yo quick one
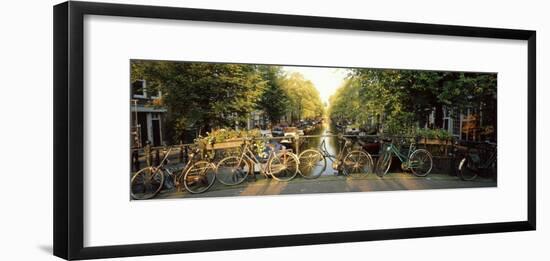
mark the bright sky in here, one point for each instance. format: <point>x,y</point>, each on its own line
<point>326,80</point>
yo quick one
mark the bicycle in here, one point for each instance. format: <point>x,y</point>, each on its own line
<point>418,161</point>
<point>471,165</point>
<point>281,165</point>
<point>149,181</point>
<point>313,162</point>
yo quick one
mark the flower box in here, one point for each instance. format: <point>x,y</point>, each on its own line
<point>430,141</point>
<point>225,145</point>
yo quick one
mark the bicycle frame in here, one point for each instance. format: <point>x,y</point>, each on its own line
<point>323,149</point>
<point>478,161</point>
<point>492,159</point>
<point>161,164</point>
<point>485,162</point>
<point>397,152</point>
<point>188,164</point>
<point>151,175</point>
<point>251,157</point>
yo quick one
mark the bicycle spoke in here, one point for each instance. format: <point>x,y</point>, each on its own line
<point>146,183</point>
<point>420,163</point>
<point>283,167</point>
<point>312,164</point>
<point>356,163</point>
<point>199,178</point>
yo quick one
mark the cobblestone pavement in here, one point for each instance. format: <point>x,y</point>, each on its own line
<point>335,184</point>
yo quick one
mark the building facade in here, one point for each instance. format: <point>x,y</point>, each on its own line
<point>147,119</point>
<point>467,124</point>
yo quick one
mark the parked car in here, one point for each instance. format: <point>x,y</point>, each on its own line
<point>290,131</point>
<point>277,132</point>
<point>266,133</point>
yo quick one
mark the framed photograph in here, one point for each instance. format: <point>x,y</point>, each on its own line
<point>182,130</point>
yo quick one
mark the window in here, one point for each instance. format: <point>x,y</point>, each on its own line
<point>456,123</point>
<point>470,124</point>
<point>138,89</point>
<point>448,120</point>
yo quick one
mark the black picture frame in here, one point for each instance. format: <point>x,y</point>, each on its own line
<point>69,119</point>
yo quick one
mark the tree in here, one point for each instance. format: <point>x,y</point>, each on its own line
<point>202,95</point>
<point>304,99</point>
<point>399,100</point>
<point>274,100</point>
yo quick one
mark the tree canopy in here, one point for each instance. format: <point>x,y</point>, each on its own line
<point>397,101</point>
<point>274,100</point>
<point>206,96</point>
<point>202,95</point>
<point>304,99</point>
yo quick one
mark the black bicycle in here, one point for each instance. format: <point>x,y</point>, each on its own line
<point>480,160</point>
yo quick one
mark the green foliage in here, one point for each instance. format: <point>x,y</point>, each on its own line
<point>202,95</point>
<point>223,135</point>
<point>439,134</point>
<point>304,99</point>
<point>210,96</point>
<point>228,135</point>
<point>274,100</point>
<point>397,102</point>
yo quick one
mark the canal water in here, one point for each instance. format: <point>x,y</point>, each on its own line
<point>332,144</point>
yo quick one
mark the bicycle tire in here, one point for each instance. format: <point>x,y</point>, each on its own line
<point>427,156</point>
<point>357,162</point>
<point>312,164</point>
<point>494,172</point>
<point>230,172</point>
<point>383,164</point>
<point>286,167</point>
<point>466,170</point>
<point>157,176</point>
<point>196,175</point>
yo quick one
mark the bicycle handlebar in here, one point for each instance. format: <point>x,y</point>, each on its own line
<point>494,144</point>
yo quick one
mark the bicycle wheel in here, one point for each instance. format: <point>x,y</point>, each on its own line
<point>493,171</point>
<point>420,162</point>
<point>283,166</point>
<point>312,164</point>
<point>199,177</point>
<point>357,163</point>
<point>383,164</point>
<point>146,183</point>
<point>230,171</point>
<point>467,169</point>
